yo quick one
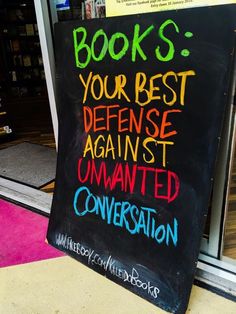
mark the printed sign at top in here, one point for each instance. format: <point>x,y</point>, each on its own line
<point>126,7</point>
<point>62,5</point>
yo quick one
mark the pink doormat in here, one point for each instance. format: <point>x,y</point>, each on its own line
<point>22,236</point>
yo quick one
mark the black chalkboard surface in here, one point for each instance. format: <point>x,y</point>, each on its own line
<point>141,100</point>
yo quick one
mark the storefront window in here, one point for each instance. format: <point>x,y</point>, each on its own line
<point>229,235</point>
<point>80,10</point>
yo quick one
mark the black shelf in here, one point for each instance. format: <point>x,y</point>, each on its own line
<point>27,37</point>
<point>28,82</point>
<point>25,67</point>
<point>5,125</point>
<point>19,40</point>
<point>16,5</point>
<point>6,23</point>
<point>35,52</point>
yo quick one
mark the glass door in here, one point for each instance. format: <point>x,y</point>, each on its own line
<point>228,248</point>
<point>211,242</point>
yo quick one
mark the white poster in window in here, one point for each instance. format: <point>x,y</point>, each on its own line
<point>62,5</point>
<point>126,7</point>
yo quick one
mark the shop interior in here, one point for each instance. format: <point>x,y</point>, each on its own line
<point>25,111</point>
<point>229,235</point>
<point>25,114</point>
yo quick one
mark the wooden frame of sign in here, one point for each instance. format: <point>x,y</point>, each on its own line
<point>141,100</point>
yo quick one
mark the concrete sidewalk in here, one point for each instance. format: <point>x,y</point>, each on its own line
<point>64,286</point>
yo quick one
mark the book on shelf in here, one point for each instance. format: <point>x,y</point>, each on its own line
<point>17,60</point>
<point>29,29</point>
<point>27,60</point>
<point>5,130</point>
<point>93,9</point>
<point>22,30</point>
<point>14,77</point>
<point>26,75</point>
<point>40,60</point>
<point>36,29</point>
<point>89,9</point>
<point>15,45</point>
<point>100,8</point>
<point>36,73</point>
<point>42,74</point>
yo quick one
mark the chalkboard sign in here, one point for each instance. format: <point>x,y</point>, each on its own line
<point>141,100</point>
